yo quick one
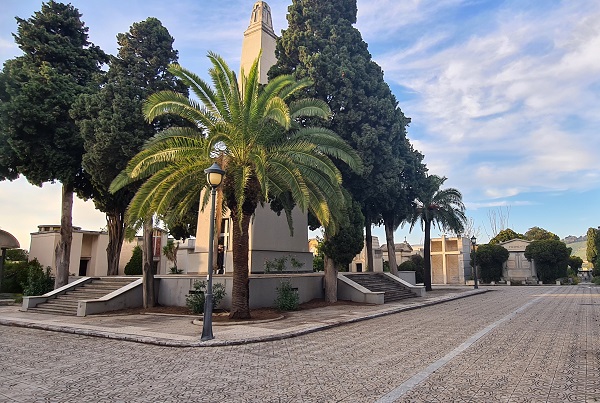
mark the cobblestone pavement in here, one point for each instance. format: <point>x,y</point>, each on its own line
<point>511,344</point>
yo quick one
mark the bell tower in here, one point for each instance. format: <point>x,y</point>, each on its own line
<point>259,36</point>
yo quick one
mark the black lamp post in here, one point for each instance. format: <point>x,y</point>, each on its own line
<point>474,243</point>
<point>214,177</point>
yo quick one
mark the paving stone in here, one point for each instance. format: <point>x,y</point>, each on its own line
<point>546,352</point>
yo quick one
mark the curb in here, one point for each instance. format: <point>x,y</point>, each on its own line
<point>220,343</point>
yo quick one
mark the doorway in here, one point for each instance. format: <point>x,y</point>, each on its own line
<point>83,265</point>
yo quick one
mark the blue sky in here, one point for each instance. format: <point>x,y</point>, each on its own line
<point>504,97</point>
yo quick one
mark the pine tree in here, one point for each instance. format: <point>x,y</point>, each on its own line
<point>38,138</point>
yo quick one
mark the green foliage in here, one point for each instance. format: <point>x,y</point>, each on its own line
<point>551,258</point>
<point>135,266</point>
<point>416,264</point>
<point>170,251</point>
<point>596,280</point>
<point>111,120</point>
<point>195,300</point>
<point>14,276</point>
<point>17,255</point>
<point>490,258</point>
<point>505,235</point>
<point>39,281</point>
<point>575,263</point>
<point>572,276</point>
<point>278,265</point>
<point>319,258</point>
<point>593,246</point>
<point>540,234</point>
<point>349,240</point>
<point>38,138</point>
<point>287,297</point>
<point>175,270</point>
<point>321,43</point>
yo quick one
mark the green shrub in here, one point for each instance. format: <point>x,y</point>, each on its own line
<point>195,300</point>
<point>38,281</point>
<point>175,270</point>
<point>278,264</point>
<point>134,266</point>
<point>596,280</point>
<point>287,297</point>
<point>416,264</point>
<point>14,276</point>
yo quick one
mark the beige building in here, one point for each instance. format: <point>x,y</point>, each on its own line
<point>403,252</point>
<point>517,267</point>
<point>450,260</point>
<point>360,264</point>
<point>88,250</point>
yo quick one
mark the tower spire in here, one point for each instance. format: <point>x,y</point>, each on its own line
<point>259,36</point>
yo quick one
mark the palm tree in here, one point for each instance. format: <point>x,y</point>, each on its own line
<point>442,208</point>
<point>266,152</point>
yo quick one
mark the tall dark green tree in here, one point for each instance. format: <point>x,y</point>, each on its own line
<point>395,203</point>
<point>593,245</point>
<point>490,259</point>
<point>321,43</point>
<point>38,138</point>
<point>551,259</point>
<point>112,124</point>
<point>340,248</point>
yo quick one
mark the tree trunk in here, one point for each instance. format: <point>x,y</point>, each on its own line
<point>369,242</point>
<point>240,293</point>
<point>427,257</point>
<point>116,233</point>
<point>147,263</point>
<point>62,253</point>
<point>389,238</point>
<point>330,279</point>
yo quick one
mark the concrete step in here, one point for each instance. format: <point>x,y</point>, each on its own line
<point>392,290</point>
<point>67,303</point>
<point>53,311</point>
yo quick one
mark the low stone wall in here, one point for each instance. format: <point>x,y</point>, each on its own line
<point>173,289</point>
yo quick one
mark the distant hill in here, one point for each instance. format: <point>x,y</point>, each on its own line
<point>579,249</point>
<point>578,244</point>
<point>574,239</point>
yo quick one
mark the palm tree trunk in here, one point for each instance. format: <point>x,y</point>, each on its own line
<point>330,278</point>
<point>427,253</point>
<point>240,294</point>
<point>62,253</point>
<point>147,263</point>
<point>116,233</point>
<point>391,248</point>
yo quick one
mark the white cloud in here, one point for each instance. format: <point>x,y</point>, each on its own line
<point>498,102</point>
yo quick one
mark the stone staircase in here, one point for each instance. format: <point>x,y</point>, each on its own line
<point>66,304</point>
<point>377,282</point>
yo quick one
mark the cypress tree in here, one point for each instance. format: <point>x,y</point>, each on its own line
<point>38,138</point>
<point>112,124</point>
<point>322,44</point>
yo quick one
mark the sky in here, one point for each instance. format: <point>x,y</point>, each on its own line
<point>503,96</point>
